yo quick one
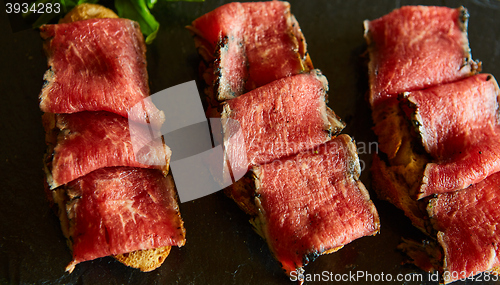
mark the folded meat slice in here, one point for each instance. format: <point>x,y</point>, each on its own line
<point>91,140</point>
<point>118,210</point>
<point>96,65</point>
<point>415,47</point>
<point>313,203</point>
<point>459,127</point>
<point>471,166</point>
<point>448,113</point>
<point>278,119</point>
<point>254,43</point>
<point>467,222</point>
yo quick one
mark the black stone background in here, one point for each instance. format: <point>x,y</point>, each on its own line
<point>221,246</point>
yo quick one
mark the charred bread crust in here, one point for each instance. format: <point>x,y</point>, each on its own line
<point>388,127</point>
<point>336,125</point>
<point>243,193</point>
<point>397,174</point>
<point>305,59</point>
<point>390,184</point>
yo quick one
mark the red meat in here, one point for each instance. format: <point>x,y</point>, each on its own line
<point>459,127</point>
<point>415,47</point>
<point>279,119</point>
<point>257,43</point>
<point>313,202</point>
<point>96,65</point>
<point>116,210</point>
<point>468,228</point>
<point>92,140</point>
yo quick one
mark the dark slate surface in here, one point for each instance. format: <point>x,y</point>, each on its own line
<point>221,247</point>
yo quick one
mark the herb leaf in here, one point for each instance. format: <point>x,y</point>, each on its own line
<point>138,10</point>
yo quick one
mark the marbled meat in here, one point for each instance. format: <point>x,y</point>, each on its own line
<point>415,47</point>
<point>254,43</point>
<point>313,203</point>
<point>96,65</point>
<point>116,210</point>
<point>91,140</point>
<point>279,119</point>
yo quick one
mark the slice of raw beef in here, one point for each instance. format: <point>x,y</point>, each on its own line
<point>313,203</point>
<point>253,43</point>
<point>415,47</point>
<point>91,140</point>
<point>459,127</point>
<point>118,210</point>
<point>278,119</point>
<point>467,222</point>
<point>96,65</point>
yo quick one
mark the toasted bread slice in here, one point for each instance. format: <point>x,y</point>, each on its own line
<point>397,173</point>
<point>87,11</point>
<point>144,260</point>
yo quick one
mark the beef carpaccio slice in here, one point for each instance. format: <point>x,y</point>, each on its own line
<point>116,210</point>
<point>91,140</point>
<point>467,222</point>
<point>96,65</point>
<point>313,203</point>
<point>459,126</point>
<point>469,167</point>
<point>448,113</point>
<point>415,47</point>
<point>278,119</point>
<point>254,43</point>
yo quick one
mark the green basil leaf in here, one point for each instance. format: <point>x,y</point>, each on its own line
<point>138,11</point>
<point>67,5</point>
<point>151,3</point>
<point>149,38</point>
<point>44,19</point>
